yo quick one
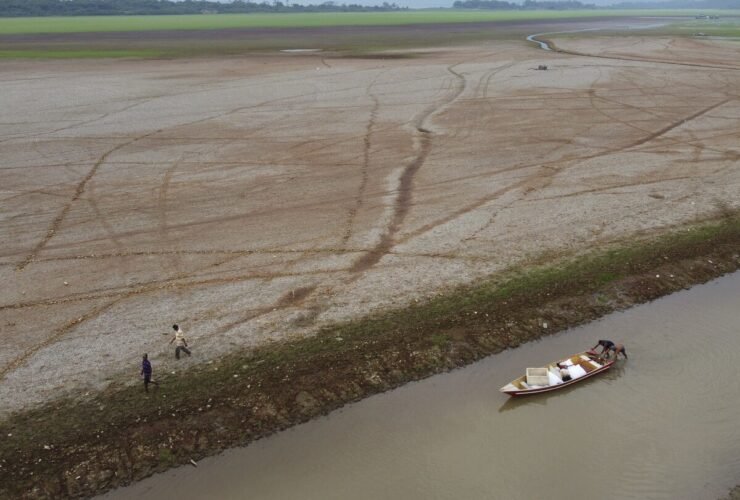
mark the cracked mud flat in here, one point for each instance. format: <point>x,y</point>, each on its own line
<point>254,199</point>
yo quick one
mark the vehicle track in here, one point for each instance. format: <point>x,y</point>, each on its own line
<point>55,336</point>
<point>556,167</point>
<point>675,124</point>
<point>79,190</point>
<point>292,298</point>
<point>170,284</point>
<point>402,203</point>
<point>364,169</point>
<point>211,271</point>
<point>557,49</point>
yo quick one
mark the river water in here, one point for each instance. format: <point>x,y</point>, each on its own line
<point>663,425</point>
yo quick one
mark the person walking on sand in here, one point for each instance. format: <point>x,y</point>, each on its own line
<point>146,372</point>
<point>180,343</point>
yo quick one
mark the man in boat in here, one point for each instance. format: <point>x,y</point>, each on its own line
<point>606,346</point>
<point>618,349</point>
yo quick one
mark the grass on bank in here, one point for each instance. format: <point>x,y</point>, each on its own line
<point>89,24</point>
<point>80,54</point>
<point>724,29</point>
<point>427,325</point>
<point>31,42</point>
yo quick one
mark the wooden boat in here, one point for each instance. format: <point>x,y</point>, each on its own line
<point>551,377</point>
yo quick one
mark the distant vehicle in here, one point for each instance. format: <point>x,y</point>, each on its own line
<point>558,374</point>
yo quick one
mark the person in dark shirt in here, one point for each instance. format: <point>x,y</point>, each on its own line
<point>606,346</point>
<point>146,371</point>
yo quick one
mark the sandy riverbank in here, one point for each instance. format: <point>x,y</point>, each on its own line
<point>82,447</point>
<point>258,199</point>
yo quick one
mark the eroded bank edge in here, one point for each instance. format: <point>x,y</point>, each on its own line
<point>77,448</point>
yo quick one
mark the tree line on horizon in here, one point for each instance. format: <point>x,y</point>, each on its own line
<point>527,5</point>
<point>575,4</point>
<point>680,4</point>
<point>40,8</point>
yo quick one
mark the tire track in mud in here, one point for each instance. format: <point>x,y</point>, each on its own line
<point>593,96</point>
<point>618,186</point>
<point>557,166</point>
<point>162,204</point>
<point>179,282</point>
<point>12,195</point>
<point>162,211</point>
<point>292,298</point>
<point>303,253</point>
<point>555,48</point>
<point>676,124</point>
<point>364,170</point>
<point>289,299</point>
<point>482,90</point>
<point>404,192</point>
<point>170,284</point>
<point>46,165</point>
<point>231,254</point>
<point>724,153</point>
<point>469,208</point>
<point>107,227</point>
<point>103,116</point>
<point>79,190</point>
<point>238,253</point>
<point>58,333</point>
<point>479,93</point>
<point>374,255</point>
<point>69,326</point>
<point>81,187</point>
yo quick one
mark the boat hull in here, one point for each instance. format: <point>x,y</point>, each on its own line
<point>514,391</point>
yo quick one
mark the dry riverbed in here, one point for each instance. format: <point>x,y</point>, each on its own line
<point>258,200</point>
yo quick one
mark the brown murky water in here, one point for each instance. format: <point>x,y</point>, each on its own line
<point>663,425</point>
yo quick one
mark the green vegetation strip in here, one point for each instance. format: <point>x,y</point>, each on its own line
<point>87,24</point>
<point>79,54</point>
<point>708,28</point>
<point>84,446</point>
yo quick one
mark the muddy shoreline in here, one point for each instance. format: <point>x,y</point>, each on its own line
<point>78,448</point>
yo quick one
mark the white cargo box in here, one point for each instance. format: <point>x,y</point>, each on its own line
<point>537,376</point>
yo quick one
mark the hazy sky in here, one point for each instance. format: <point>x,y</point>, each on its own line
<point>414,4</point>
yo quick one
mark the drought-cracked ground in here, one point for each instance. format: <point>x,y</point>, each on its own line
<point>256,198</point>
